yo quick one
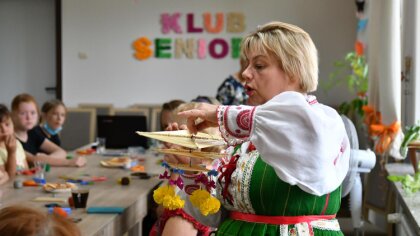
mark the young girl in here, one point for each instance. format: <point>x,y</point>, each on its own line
<point>53,115</point>
<point>37,147</point>
<point>169,218</point>
<point>24,220</point>
<point>167,115</point>
<point>12,155</point>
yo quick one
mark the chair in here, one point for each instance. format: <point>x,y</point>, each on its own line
<point>79,128</point>
<point>133,111</point>
<point>155,118</point>
<point>101,108</point>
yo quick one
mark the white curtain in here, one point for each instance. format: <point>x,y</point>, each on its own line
<point>384,60</point>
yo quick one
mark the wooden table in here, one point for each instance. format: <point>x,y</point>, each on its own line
<point>108,193</point>
<point>413,148</point>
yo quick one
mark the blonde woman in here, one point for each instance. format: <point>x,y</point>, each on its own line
<point>289,154</point>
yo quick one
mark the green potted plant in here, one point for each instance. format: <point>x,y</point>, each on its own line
<point>352,70</point>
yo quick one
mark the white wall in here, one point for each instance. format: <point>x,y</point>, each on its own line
<point>410,89</point>
<point>103,31</point>
<point>27,48</point>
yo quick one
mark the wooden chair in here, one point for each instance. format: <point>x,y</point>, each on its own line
<point>79,128</point>
<point>101,108</point>
<point>413,148</point>
<point>134,111</point>
<point>155,118</point>
<point>151,118</point>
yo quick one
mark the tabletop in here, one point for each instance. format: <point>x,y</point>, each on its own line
<point>132,197</point>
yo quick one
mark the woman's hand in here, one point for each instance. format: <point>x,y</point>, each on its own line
<point>204,116</point>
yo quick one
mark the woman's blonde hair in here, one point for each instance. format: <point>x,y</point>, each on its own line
<point>291,46</point>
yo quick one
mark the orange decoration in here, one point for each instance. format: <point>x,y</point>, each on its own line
<point>87,151</point>
<point>358,47</point>
<point>30,183</point>
<point>371,116</point>
<point>141,46</point>
<point>385,134</point>
<point>59,211</point>
<point>137,168</point>
<point>219,23</point>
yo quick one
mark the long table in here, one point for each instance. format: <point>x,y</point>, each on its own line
<point>133,198</point>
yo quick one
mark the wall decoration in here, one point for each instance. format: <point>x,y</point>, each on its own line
<point>213,23</point>
<point>208,25</point>
<point>236,46</point>
<point>191,28</point>
<point>235,22</point>
<point>201,53</point>
<point>141,46</point>
<point>185,48</point>
<point>170,22</point>
<point>162,45</point>
<point>223,45</point>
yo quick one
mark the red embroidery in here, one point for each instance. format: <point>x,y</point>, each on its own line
<point>313,102</point>
<point>243,119</point>
<point>251,147</point>
<point>339,154</point>
<point>326,204</point>
<point>225,123</point>
<point>226,169</point>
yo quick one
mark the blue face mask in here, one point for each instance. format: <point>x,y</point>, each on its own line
<point>50,130</point>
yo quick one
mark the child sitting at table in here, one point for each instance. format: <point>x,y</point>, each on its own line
<point>167,115</point>
<point>37,147</point>
<point>53,115</point>
<point>12,155</point>
<point>21,220</point>
<point>168,217</point>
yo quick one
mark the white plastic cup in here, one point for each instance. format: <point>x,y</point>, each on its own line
<point>100,148</point>
<point>40,169</point>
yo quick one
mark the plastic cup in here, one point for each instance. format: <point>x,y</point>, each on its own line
<point>100,148</point>
<point>40,169</point>
<point>80,197</point>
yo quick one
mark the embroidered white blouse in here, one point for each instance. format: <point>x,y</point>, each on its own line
<point>304,141</point>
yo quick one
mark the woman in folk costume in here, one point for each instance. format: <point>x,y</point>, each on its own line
<point>289,154</point>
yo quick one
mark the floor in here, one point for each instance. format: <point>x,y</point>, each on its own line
<point>344,219</point>
<point>368,229</point>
